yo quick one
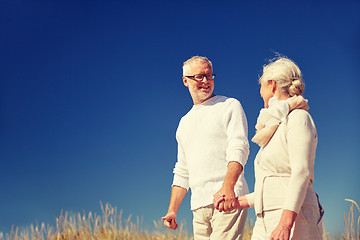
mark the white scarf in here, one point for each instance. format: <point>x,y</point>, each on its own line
<point>270,118</point>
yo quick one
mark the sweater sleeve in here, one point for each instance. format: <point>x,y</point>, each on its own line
<point>251,199</point>
<point>181,174</point>
<point>302,141</point>
<point>237,133</point>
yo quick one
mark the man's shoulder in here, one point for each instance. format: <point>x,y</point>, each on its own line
<point>218,102</point>
<point>230,102</point>
<point>186,116</point>
<point>227,100</point>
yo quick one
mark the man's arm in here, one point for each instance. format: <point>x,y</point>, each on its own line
<point>235,123</point>
<point>237,151</point>
<point>227,189</point>
<point>177,195</point>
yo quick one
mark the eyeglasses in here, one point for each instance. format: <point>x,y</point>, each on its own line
<point>200,77</point>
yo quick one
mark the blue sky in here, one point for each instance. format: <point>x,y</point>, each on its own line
<point>91,95</point>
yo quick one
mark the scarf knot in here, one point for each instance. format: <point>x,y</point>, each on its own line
<point>269,118</point>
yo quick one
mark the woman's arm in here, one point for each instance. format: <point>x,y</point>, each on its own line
<point>301,144</point>
<point>302,141</point>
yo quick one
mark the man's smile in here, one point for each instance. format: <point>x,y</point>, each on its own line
<point>204,87</point>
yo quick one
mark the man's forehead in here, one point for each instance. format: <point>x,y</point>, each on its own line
<point>203,64</point>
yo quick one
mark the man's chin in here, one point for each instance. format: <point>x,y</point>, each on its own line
<point>205,97</point>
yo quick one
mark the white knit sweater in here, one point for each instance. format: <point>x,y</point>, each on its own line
<point>284,169</point>
<point>209,136</point>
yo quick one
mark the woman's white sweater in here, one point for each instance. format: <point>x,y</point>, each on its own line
<point>284,169</point>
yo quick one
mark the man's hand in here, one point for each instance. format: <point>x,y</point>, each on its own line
<point>170,220</point>
<point>218,198</point>
<point>234,170</point>
<point>177,195</point>
<point>229,201</point>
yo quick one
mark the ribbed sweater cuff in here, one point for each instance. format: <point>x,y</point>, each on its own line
<point>237,157</point>
<point>181,182</point>
<point>250,197</point>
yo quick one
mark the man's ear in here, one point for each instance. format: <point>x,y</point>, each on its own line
<point>185,81</point>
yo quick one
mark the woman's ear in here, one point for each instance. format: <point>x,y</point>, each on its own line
<point>272,84</point>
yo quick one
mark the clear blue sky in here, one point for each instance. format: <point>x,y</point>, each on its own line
<point>91,95</point>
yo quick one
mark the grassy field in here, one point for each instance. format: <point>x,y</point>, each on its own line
<point>111,225</point>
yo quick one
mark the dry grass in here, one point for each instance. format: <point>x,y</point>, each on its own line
<point>351,231</point>
<point>110,225</point>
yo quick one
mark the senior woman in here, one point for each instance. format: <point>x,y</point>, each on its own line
<point>285,203</point>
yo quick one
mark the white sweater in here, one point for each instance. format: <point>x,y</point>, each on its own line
<point>284,169</point>
<point>209,136</point>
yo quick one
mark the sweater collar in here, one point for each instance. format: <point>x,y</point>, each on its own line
<point>208,102</point>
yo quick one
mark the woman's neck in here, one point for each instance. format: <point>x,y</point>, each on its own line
<point>281,95</point>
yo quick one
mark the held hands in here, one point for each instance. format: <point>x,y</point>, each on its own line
<point>240,202</point>
<point>170,220</point>
<point>225,200</point>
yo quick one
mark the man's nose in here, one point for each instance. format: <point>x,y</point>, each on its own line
<point>204,79</point>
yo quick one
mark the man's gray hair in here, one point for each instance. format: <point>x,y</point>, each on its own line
<point>286,74</point>
<point>186,67</point>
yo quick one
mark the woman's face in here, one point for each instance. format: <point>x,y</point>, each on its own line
<point>266,91</point>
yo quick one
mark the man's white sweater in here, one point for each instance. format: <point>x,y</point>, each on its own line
<point>209,136</point>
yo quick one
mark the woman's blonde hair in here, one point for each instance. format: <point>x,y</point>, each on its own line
<point>286,74</point>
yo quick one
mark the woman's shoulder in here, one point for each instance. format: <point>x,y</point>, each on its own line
<point>300,116</point>
<point>299,113</point>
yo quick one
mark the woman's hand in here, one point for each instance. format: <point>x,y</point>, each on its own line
<point>283,229</point>
<point>281,232</point>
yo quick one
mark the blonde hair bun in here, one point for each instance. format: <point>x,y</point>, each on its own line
<point>296,87</point>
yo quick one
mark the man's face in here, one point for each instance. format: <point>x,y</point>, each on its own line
<point>200,91</point>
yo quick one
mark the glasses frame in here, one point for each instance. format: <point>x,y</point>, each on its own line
<point>203,75</point>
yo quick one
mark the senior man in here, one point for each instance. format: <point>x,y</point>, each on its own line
<point>212,151</point>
